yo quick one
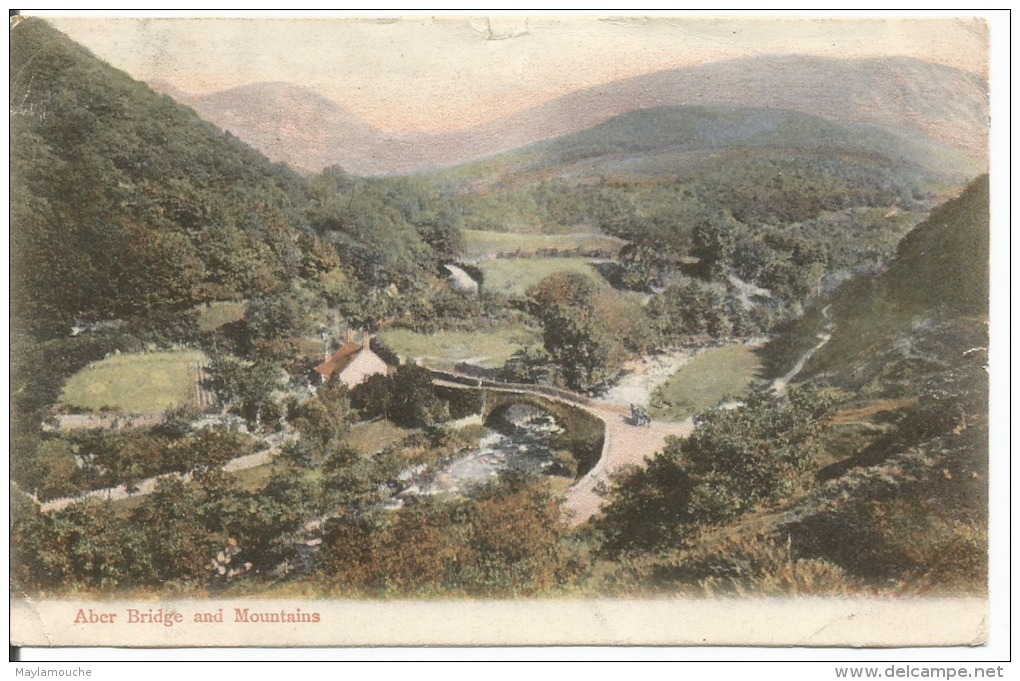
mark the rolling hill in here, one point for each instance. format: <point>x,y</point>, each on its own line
<point>663,169</point>
<point>288,123</point>
<point>915,98</point>
<point>678,140</point>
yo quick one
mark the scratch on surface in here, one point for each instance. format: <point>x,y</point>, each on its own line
<point>503,30</point>
<point>625,21</point>
<point>814,635</point>
<point>42,621</point>
<point>981,637</point>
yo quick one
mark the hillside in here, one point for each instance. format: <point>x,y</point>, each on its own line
<point>929,303</point>
<point>124,202</point>
<point>870,475</point>
<point>915,98</point>
<point>912,498</point>
<point>683,139</point>
<point>290,124</point>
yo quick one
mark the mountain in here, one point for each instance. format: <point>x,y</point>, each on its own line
<point>682,139</point>
<point>290,124</point>
<point>916,98</point>
<point>124,202</point>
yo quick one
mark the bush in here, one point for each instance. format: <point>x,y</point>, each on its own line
<point>504,540</point>
<point>406,397</point>
<point>734,461</point>
<point>754,566</point>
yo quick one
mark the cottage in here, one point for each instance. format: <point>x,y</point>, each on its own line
<point>352,363</point>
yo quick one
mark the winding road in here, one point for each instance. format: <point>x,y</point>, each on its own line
<point>148,486</point>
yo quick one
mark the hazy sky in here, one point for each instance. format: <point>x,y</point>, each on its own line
<point>440,73</point>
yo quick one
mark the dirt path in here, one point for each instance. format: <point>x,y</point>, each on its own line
<point>644,375</point>
<point>625,445</point>
<point>779,385</point>
<point>148,486</point>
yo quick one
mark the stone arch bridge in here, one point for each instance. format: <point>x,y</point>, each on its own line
<point>623,444</point>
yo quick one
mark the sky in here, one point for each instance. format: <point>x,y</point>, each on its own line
<point>429,74</point>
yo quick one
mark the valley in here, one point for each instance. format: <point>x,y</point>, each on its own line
<point>680,344</point>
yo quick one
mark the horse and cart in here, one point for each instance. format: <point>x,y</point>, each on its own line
<point>639,417</point>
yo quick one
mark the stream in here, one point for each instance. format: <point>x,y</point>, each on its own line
<point>521,437</point>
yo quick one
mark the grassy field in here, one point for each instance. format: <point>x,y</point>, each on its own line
<point>513,276</point>
<point>489,348</point>
<point>216,314</point>
<point>480,245</point>
<point>709,378</point>
<point>145,383</point>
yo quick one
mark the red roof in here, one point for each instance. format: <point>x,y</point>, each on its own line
<point>339,361</point>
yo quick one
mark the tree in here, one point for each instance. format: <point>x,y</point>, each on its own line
<point>715,241</point>
<point>516,527</point>
<point>51,471</point>
<point>413,402</point>
<point>573,331</point>
<point>35,558</point>
<point>324,420</point>
<point>277,325</point>
<point>246,387</point>
<point>269,519</point>
<point>179,548</point>
<point>527,366</point>
<point>690,307</point>
<point>406,397</point>
<point>734,461</point>
<point>350,479</point>
<point>92,548</point>
<point>210,447</point>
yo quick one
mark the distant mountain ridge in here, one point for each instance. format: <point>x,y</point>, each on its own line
<point>288,123</point>
<point>297,125</point>
<point>646,140</point>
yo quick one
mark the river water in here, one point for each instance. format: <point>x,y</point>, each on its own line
<point>520,438</point>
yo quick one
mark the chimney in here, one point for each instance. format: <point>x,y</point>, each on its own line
<point>350,335</point>
<point>366,339</point>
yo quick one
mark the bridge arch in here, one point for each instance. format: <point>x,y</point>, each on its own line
<point>583,434</point>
